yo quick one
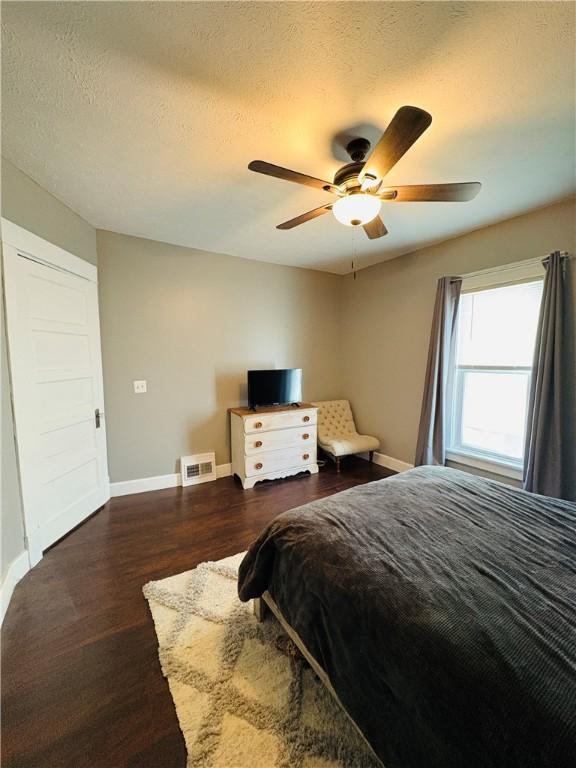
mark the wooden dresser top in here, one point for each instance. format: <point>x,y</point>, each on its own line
<point>271,409</point>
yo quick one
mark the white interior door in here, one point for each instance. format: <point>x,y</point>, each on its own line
<point>56,370</point>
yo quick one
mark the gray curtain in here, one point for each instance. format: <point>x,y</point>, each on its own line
<point>431,446</point>
<point>550,463</point>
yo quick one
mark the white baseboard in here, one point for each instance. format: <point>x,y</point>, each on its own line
<point>18,568</point>
<point>388,461</point>
<point>144,484</point>
<point>223,470</point>
<point>158,482</point>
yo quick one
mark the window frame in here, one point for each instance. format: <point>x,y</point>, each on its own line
<point>457,452</point>
<point>457,446</point>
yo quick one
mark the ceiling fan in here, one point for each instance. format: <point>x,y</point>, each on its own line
<point>359,184</point>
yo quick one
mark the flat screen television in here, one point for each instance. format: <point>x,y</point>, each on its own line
<point>277,387</point>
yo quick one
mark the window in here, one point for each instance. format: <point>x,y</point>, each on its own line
<point>493,362</point>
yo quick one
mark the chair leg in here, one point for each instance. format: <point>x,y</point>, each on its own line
<point>371,456</point>
<point>337,463</point>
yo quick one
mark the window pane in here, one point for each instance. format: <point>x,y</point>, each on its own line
<point>494,411</point>
<point>498,326</point>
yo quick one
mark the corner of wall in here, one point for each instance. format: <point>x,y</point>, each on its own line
<point>32,207</point>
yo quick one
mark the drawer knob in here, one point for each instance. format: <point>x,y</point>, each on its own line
<point>258,444</point>
<point>306,418</point>
<point>258,466</point>
<point>305,436</point>
<point>258,424</point>
<point>306,456</point>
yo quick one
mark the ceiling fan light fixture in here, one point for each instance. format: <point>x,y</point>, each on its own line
<point>356,209</point>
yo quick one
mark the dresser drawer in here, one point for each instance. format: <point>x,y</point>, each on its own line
<point>278,460</point>
<point>282,438</point>
<point>281,420</point>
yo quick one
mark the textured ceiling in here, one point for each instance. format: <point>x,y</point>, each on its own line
<point>142,117</point>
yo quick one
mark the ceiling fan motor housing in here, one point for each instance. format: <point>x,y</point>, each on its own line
<point>347,176</point>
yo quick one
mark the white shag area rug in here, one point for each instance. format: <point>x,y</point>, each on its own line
<point>241,703</point>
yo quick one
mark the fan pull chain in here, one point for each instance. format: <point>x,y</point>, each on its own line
<point>353,265</point>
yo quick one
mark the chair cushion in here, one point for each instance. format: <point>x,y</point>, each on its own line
<point>350,444</point>
<point>337,432</point>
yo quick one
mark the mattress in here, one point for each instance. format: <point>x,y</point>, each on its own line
<point>442,607</point>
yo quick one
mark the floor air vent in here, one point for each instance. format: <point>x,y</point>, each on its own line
<point>198,469</point>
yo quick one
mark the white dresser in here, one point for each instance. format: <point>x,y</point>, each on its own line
<point>273,442</point>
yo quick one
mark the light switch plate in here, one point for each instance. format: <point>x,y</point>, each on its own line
<point>139,387</point>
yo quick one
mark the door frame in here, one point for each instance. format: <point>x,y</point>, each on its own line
<point>18,242</point>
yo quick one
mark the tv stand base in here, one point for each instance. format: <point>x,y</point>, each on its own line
<point>254,408</point>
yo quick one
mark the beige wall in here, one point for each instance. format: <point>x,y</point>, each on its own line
<point>12,524</point>
<point>191,323</point>
<point>25,203</point>
<point>387,313</point>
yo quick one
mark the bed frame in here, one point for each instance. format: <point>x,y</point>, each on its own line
<point>265,605</point>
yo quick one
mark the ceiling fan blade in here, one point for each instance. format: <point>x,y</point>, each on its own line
<point>424,193</point>
<point>285,173</point>
<point>407,125</point>
<point>305,217</point>
<point>375,228</point>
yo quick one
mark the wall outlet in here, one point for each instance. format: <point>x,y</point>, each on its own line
<point>139,387</point>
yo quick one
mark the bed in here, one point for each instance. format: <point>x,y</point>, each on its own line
<point>441,610</point>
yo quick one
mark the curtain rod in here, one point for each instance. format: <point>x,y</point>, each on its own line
<point>512,265</point>
<point>563,256</point>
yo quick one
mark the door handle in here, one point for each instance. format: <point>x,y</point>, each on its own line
<point>98,414</point>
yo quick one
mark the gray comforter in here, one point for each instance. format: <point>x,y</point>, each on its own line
<point>443,608</point>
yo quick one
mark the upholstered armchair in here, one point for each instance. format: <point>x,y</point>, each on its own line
<point>337,433</point>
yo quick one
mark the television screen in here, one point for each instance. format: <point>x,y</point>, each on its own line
<point>274,387</point>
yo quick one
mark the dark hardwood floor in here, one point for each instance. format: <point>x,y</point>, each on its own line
<point>81,680</point>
